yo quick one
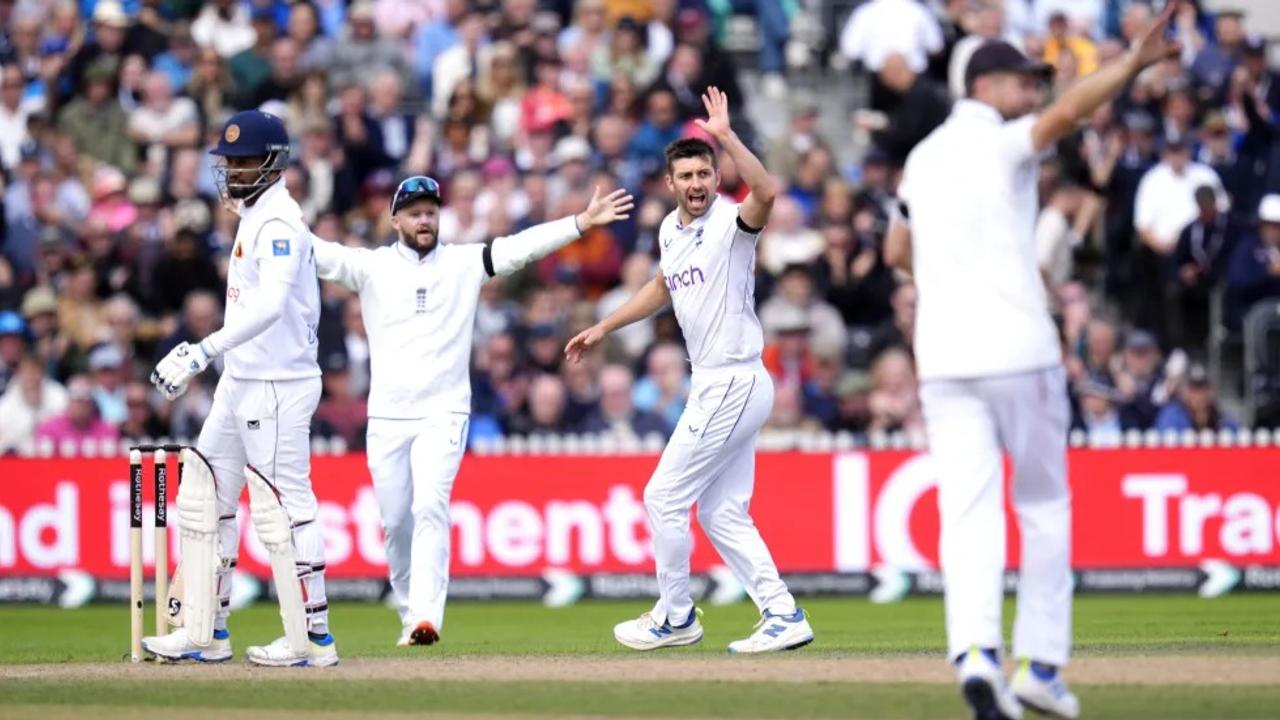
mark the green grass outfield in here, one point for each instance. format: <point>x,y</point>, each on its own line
<point>505,644</point>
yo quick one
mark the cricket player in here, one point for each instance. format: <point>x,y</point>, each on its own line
<point>418,298</point>
<point>259,423</point>
<point>707,273</point>
<point>990,363</point>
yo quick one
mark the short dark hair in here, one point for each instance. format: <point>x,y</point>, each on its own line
<point>689,148</point>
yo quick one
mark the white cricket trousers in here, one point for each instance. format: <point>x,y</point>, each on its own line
<point>968,423</point>
<point>267,424</point>
<point>413,464</point>
<point>711,460</point>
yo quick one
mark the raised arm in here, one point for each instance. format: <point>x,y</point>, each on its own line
<point>755,208</point>
<point>649,299</point>
<point>1087,95</point>
<point>509,253</point>
<point>339,263</point>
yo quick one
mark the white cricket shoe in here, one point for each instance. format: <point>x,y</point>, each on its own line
<point>982,684</point>
<point>423,633</point>
<point>1044,691</point>
<point>322,652</point>
<point>177,646</point>
<point>775,633</point>
<point>644,633</point>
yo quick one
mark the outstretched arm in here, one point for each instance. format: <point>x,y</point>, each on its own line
<point>509,253</point>
<point>1087,95</point>
<point>651,298</point>
<point>339,263</point>
<point>755,208</point>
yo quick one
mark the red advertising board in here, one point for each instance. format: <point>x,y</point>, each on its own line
<point>819,512</point>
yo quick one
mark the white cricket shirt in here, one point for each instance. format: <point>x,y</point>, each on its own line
<point>419,314</point>
<point>709,266</point>
<point>273,245</point>
<point>969,190</point>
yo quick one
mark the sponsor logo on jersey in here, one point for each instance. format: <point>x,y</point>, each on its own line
<point>233,293</point>
<point>280,247</point>
<point>688,277</point>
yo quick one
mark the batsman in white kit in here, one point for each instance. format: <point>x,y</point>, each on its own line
<point>707,273</point>
<point>258,428</point>
<point>989,360</point>
<point>418,298</point>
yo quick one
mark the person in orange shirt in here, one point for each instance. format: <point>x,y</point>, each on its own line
<point>1062,39</point>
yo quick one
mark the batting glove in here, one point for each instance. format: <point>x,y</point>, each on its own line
<point>178,367</point>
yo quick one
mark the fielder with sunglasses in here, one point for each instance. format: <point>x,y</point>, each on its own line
<point>418,298</point>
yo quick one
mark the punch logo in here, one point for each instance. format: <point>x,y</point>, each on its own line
<point>686,278</point>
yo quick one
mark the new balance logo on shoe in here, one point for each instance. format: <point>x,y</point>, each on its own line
<point>774,631</point>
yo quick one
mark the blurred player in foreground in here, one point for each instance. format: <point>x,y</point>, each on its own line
<point>707,273</point>
<point>259,427</point>
<point>990,363</point>
<point>418,298</point>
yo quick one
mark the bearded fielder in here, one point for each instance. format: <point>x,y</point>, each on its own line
<point>708,247</point>
<point>259,426</point>
<point>418,298</point>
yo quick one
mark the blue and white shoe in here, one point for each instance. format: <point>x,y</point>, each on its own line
<point>177,647</point>
<point>982,684</point>
<point>644,633</point>
<point>322,652</point>
<point>775,633</point>
<point>1040,687</point>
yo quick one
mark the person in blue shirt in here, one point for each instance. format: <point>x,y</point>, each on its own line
<point>1195,407</point>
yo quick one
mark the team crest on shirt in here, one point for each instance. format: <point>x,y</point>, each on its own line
<point>697,237</point>
<point>280,247</point>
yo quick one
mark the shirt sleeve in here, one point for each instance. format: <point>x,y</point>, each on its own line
<point>1017,145</point>
<point>341,264</point>
<point>279,251</point>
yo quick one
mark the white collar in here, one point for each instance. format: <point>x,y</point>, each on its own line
<point>970,108</point>
<point>266,198</point>
<point>412,255</point>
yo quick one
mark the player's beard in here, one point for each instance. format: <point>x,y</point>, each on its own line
<point>421,243</point>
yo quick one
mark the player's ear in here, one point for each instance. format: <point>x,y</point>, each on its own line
<point>395,223</point>
<point>671,184</point>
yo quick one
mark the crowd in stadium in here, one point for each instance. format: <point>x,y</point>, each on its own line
<point>1156,237</point>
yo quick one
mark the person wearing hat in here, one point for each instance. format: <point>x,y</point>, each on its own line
<point>1253,274</point>
<point>989,359</point>
<point>262,407</point>
<point>1099,412</point>
<point>418,297</point>
<point>106,44</point>
<point>1195,407</point>
<point>107,373</point>
<point>13,344</point>
<point>97,122</point>
<point>1140,379</point>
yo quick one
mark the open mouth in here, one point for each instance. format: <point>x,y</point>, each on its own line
<point>697,198</point>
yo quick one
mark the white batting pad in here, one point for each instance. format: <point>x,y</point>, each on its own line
<point>275,531</point>
<point>198,522</point>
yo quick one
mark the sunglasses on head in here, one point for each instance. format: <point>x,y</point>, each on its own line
<point>413,188</point>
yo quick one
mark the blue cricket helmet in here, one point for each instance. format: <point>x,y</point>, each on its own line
<point>251,134</point>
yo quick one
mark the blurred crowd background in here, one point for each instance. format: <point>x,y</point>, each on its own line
<point>1159,238</point>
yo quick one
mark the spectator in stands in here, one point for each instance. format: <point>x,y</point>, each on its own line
<point>786,240</point>
<point>899,330</point>
<point>853,404</point>
<point>251,67</point>
<point>546,412</point>
<point>29,400</point>
<point>921,105</point>
<point>341,413</point>
<point>14,111</point>
<point>796,292</point>
<point>1254,273</point>
<point>1140,380</point>
<point>315,51</point>
<point>141,419</point>
<point>107,374</point>
<point>1098,412</point>
<point>225,26</point>
<point>97,122</point>
<point>787,354</point>
<point>894,401</point>
<point>361,52</point>
<point>616,414</point>
<point>1195,407</point>
<point>1200,259</point>
<point>788,414</point>
<point>106,47</point>
<point>285,78</point>
<point>80,421</point>
<point>13,345</point>
<point>162,121</point>
<point>664,388</point>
